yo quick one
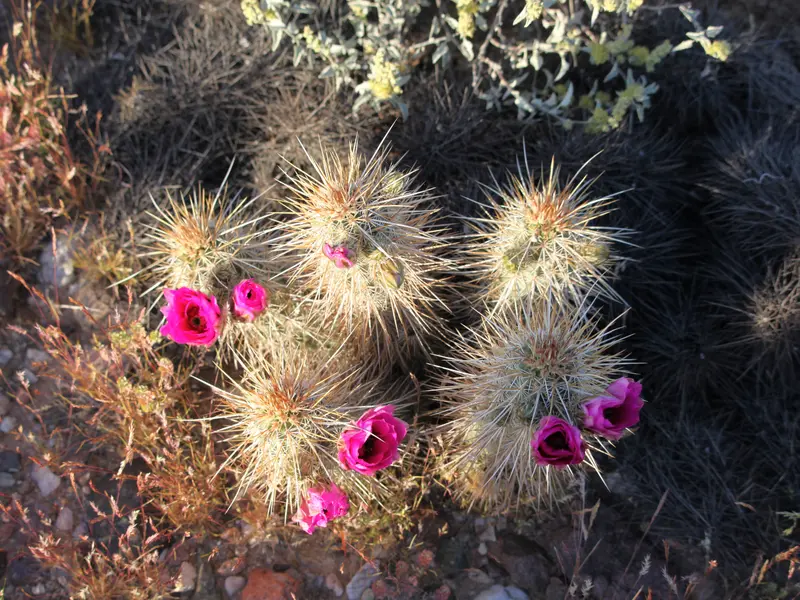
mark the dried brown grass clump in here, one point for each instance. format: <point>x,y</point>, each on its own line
<point>40,177</point>
<point>127,569</point>
<point>134,400</point>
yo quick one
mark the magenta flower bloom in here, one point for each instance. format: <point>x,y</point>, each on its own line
<point>192,317</point>
<point>611,415</point>
<point>321,506</point>
<point>557,443</point>
<point>249,300</point>
<point>342,256</point>
<point>373,444</point>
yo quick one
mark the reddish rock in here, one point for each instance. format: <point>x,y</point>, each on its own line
<point>263,584</point>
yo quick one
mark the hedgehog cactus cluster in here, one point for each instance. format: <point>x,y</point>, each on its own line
<point>536,388</point>
<point>310,310</point>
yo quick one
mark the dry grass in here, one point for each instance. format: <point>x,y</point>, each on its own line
<point>126,569</point>
<point>42,179</point>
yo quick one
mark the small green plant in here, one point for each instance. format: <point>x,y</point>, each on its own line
<point>575,62</point>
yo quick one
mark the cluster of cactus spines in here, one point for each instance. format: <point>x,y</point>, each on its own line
<point>364,241</point>
<point>536,238</point>
<point>754,187</point>
<point>541,359</point>
<point>211,242</point>
<point>762,313</point>
<point>285,419</point>
<point>203,241</point>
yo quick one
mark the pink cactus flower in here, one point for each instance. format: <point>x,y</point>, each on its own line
<point>373,443</point>
<point>193,318</point>
<point>557,443</point>
<point>611,415</point>
<point>342,256</point>
<point>321,506</point>
<point>249,300</point>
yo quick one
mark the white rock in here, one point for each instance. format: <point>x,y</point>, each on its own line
<point>8,424</point>
<point>65,520</point>
<point>496,592</point>
<point>515,593</point>
<point>5,356</point>
<point>482,549</point>
<point>186,578</point>
<point>7,480</point>
<point>57,267</point>
<point>234,584</point>
<point>333,584</point>
<point>45,479</point>
<point>5,404</point>
<point>38,589</point>
<point>487,535</point>
<point>361,581</point>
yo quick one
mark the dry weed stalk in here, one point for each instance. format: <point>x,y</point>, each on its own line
<point>41,179</point>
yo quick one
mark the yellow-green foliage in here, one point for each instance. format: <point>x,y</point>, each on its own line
<point>368,49</point>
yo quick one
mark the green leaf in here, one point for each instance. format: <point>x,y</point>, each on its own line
<point>442,50</point>
<point>684,45</point>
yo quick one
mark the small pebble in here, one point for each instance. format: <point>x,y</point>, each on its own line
<point>38,589</point>
<point>8,424</point>
<point>5,404</point>
<point>333,584</point>
<point>34,355</point>
<point>361,581</point>
<point>482,549</point>
<point>488,535</point>
<point>496,592</point>
<point>65,520</point>
<point>5,356</point>
<point>9,461</point>
<point>186,578</point>
<point>45,479</point>
<point>233,566</point>
<point>80,531</point>
<point>515,593</point>
<point>234,584</point>
<point>7,480</point>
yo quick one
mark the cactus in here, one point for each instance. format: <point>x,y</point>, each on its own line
<point>364,242</point>
<point>543,237</point>
<point>518,368</point>
<point>286,417</point>
<point>211,243</point>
